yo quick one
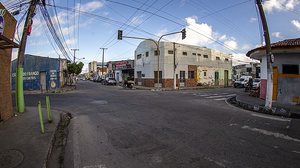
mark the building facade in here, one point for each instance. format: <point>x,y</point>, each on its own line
<point>190,65</point>
<point>122,70</point>
<point>41,73</point>
<point>7,32</point>
<point>251,69</point>
<point>286,76</point>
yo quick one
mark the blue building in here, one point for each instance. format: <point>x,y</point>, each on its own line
<point>41,73</point>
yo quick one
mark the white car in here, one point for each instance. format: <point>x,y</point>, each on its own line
<point>242,81</point>
<point>256,83</point>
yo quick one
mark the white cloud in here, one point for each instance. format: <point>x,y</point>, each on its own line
<point>137,20</point>
<point>223,37</point>
<point>90,6</point>
<point>200,34</point>
<point>247,47</point>
<point>240,58</point>
<point>277,35</point>
<point>280,5</point>
<point>252,20</point>
<point>231,44</point>
<point>296,23</point>
<point>70,41</point>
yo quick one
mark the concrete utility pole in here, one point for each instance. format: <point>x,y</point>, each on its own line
<point>102,68</point>
<point>20,62</point>
<point>174,73</point>
<point>269,55</point>
<point>74,50</point>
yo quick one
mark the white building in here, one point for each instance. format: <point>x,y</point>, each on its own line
<point>194,65</point>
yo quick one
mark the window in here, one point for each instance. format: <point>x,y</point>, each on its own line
<point>184,53</point>
<point>182,76</point>
<point>139,56</point>
<point>226,59</point>
<point>290,69</point>
<point>170,52</point>
<point>147,54</point>
<point>155,77</point>
<point>199,54</point>
<point>191,74</point>
<point>218,58</point>
<point>205,56</point>
<point>155,52</point>
<point>194,53</point>
<point>204,73</point>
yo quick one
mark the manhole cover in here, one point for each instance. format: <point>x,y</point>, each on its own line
<point>101,102</point>
<point>10,158</point>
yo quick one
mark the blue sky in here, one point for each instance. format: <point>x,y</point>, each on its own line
<point>231,26</point>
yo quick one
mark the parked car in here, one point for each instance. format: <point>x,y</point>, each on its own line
<point>110,81</point>
<point>242,81</point>
<point>256,83</point>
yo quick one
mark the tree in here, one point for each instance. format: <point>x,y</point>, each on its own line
<point>75,68</point>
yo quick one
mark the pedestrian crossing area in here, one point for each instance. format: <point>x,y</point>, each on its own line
<point>212,96</point>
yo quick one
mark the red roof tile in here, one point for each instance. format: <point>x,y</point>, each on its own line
<point>289,43</point>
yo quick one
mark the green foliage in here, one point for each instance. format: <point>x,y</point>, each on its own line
<point>75,68</point>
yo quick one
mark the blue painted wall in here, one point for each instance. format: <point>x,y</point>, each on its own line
<point>33,65</point>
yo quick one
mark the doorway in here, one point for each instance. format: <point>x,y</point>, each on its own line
<point>226,78</point>
<point>216,78</point>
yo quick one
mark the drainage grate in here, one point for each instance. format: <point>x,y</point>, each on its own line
<point>11,158</point>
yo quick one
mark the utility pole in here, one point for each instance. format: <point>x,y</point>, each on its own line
<point>102,68</point>
<point>269,55</point>
<point>174,73</point>
<point>20,61</point>
<point>74,50</point>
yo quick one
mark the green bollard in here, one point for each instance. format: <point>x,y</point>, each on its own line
<point>48,109</point>
<point>41,117</point>
<point>20,91</point>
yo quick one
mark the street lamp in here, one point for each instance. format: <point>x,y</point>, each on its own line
<point>183,32</point>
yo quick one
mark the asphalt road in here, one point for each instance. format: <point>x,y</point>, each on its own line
<point>119,128</point>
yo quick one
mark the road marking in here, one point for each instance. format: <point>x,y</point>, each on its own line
<point>213,97</point>
<point>271,117</point>
<point>296,152</point>
<point>275,134</point>
<point>95,166</point>
<point>216,162</point>
<point>221,99</point>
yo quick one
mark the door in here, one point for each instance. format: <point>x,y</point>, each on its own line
<point>139,78</point>
<point>275,83</point>
<point>43,81</point>
<point>216,78</point>
<point>226,78</point>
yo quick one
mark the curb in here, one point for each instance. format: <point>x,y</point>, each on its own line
<point>53,138</point>
<point>277,111</point>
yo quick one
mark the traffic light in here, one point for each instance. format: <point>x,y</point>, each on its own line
<point>120,34</point>
<point>183,33</point>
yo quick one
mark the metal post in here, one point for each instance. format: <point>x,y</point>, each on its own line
<point>174,73</point>
<point>269,94</point>
<point>41,117</point>
<point>20,62</point>
<point>49,115</point>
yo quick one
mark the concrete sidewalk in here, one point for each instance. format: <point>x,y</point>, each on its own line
<point>21,142</point>
<point>256,104</point>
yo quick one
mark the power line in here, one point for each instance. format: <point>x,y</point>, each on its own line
<point>215,40</point>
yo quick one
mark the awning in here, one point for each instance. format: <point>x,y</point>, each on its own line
<point>6,43</point>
